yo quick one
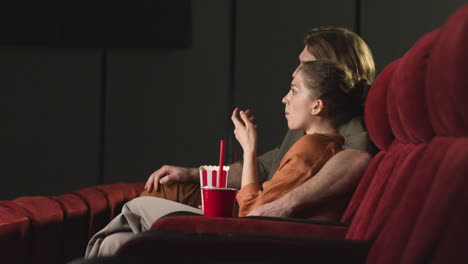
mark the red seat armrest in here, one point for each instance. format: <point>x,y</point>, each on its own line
<point>266,226</point>
<point>178,247</point>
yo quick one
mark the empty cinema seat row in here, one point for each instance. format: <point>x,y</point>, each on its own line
<point>56,229</point>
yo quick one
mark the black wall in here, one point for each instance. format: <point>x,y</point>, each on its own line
<point>76,117</point>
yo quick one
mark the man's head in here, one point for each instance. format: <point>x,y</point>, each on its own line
<point>340,45</point>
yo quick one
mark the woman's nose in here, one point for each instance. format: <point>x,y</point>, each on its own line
<point>284,99</point>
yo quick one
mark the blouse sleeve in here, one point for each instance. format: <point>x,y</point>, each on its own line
<point>247,198</point>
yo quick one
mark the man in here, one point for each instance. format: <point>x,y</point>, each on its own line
<point>339,175</point>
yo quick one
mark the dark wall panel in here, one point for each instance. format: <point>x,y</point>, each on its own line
<point>50,121</point>
<point>392,27</point>
<point>168,106</point>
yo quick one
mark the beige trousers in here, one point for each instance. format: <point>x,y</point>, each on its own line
<point>138,215</point>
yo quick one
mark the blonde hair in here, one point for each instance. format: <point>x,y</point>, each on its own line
<point>345,47</point>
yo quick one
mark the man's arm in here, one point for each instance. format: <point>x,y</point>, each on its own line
<point>339,175</point>
<point>234,175</point>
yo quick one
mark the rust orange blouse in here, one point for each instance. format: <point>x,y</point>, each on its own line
<point>305,158</point>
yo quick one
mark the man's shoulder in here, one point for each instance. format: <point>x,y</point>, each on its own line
<point>354,126</point>
<point>355,135</point>
<point>292,136</point>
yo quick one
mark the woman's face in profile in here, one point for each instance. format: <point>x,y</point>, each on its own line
<point>298,104</point>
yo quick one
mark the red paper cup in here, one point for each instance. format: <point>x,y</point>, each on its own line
<point>218,202</point>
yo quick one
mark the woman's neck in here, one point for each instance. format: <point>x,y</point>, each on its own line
<point>321,126</point>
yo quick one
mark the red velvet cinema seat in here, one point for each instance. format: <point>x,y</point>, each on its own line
<point>75,226</point>
<point>87,210</point>
<point>411,205</point>
<point>98,211</point>
<point>42,239</point>
<point>105,201</point>
<point>14,240</point>
<point>56,229</point>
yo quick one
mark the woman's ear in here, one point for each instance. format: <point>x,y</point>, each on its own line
<point>318,107</point>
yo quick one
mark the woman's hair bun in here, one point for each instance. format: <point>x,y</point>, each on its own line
<point>359,91</point>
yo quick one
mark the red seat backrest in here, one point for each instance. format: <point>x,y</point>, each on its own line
<point>412,201</point>
<point>45,225</point>
<point>75,226</point>
<point>14,238</point>
<point>98,208</point>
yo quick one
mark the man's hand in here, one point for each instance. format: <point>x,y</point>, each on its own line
<point>168,174</point>
<point>273,209</point>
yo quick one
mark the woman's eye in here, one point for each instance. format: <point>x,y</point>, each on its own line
<point>293,92</point>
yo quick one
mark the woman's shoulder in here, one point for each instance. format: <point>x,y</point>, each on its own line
<point>325,137</point>
<point>310,148</point>
<point>310,142</point>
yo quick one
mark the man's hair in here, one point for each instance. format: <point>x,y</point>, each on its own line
<point>334,85</point>
<point>345,47</point>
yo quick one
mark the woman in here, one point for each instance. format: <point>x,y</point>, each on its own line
<point>322,97</point>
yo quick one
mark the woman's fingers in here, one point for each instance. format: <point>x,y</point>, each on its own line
<point>245,118</point>
<point>248,112</point>
<point>234,117</point>
<point>242,118</point>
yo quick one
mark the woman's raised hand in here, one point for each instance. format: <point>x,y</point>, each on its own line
<point>245,130</point>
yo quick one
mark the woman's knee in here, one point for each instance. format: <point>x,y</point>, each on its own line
<point>111,243</point>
